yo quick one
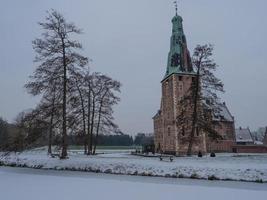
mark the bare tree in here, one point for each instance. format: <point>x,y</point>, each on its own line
<point>201,97</point>
<point>106,99</point>
<point>78,102</point>
<point>49,110</point>
<point>92,100</point>
<point>58,58</point>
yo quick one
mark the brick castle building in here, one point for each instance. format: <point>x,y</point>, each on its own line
<point>168,135</point>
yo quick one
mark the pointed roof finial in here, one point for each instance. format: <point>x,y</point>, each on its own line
<point>176,7</point>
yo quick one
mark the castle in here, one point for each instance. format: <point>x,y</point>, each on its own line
<point>168,135</point>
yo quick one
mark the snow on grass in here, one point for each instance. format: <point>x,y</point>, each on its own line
<point>223,167</point>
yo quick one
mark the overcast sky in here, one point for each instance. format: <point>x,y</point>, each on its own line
<point>129,40</point>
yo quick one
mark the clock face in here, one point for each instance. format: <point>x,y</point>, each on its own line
<point>176,60</point>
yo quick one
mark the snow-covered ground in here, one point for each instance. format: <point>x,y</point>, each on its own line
<point>223,167</point>
<point>32,184</point>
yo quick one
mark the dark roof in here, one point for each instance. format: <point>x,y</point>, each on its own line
<point>223,114</point>
<point>157,114</point>
<point>243,135</point>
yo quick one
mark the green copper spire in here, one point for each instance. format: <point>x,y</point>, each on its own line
<point>179,61</point>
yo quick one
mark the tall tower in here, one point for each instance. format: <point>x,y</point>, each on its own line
<point>176,82</point>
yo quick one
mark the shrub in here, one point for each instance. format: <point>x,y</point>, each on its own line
<point>259,181</point>
<point>194,176</point>
<point>213,177</point>
<point>212,154</point>
<point>180,176</point>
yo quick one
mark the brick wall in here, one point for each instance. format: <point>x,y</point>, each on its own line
<point>250,148</point>
<point>221,146</point>
<point>227,131</point>
<point>167,131</point>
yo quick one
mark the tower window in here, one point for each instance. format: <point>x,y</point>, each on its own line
<point>180,78</point>
<point>169,131</point>
<point>197,131</point>
<point>181,87</point>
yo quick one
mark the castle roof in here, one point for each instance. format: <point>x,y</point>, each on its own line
<point>157,114</point>
<point>223,114</point>
<point>179,60</point>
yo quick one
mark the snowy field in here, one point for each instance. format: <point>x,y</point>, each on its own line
<point>238,167</point>
<point>32,184</point>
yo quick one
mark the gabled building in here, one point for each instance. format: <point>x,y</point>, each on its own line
<point>224,124</point>
<point>246,144</point>
<point>243,136</point>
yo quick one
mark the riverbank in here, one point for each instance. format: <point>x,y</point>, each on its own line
<point>250,168</point>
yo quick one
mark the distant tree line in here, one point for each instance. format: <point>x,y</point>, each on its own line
<point>22,135</point>
<point>108,140</point>
<point>142,139</point>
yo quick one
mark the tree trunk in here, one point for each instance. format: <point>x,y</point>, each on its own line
<point>84,130</point>
<point>98,122</point>
<point>83,115</point>
<point>64,125</point>
<point>50,132</point>
<point>88,121</point>
<point>92,125</point>
<point>194,116</point>
<point>51,124</point>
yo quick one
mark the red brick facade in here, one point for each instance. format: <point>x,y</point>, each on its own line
<point>250,148</point>
<point>168,134</point>
<point>168,137</point>
<point>227,130</point>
